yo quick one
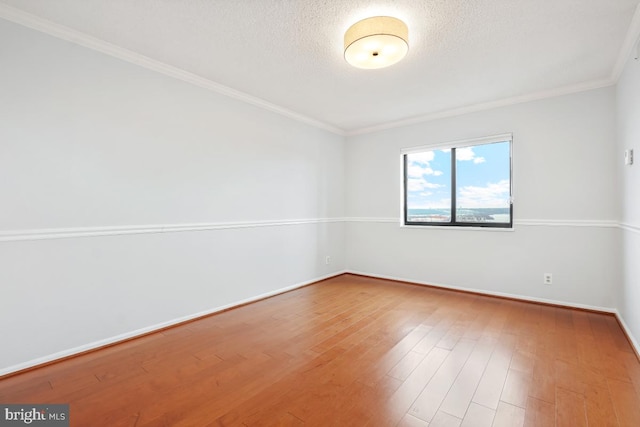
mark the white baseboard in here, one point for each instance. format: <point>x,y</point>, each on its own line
<point>150,329</point>
<point>153,328</point>
<point>490,293</point>
<point>632,339</point>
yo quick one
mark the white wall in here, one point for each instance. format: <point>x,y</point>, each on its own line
<point>628,113</point>
<point>566,205</point>
<point>88,142</point>
<point>105,168</point>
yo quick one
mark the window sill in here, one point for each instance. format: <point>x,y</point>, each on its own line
<point>453,227</point>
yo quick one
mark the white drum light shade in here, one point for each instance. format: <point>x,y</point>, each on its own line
<point>376,42</point>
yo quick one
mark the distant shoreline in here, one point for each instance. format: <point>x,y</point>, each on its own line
<point>501,215</point>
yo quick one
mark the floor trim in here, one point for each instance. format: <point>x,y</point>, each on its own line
<point>98,345</point>
<point>625,328</point>
<point>554,303</point>
<point>115,340</point>
<point>504,295</point>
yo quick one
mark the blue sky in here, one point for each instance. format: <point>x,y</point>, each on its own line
<point>482,174</point>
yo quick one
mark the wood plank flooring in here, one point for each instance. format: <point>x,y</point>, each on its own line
<point>355,351</point>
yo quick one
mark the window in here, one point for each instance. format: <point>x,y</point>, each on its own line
<point>460,184</point>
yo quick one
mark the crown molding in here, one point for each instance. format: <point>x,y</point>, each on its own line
<point>536,96</point>
<point>630,41</point>
<point>65,33</point>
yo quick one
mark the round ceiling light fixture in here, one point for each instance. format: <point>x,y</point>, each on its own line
<point>376,42</point>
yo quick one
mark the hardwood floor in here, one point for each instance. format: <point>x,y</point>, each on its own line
<point>354,351</point>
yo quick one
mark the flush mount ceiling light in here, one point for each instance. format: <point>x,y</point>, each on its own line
<point>376,42</point>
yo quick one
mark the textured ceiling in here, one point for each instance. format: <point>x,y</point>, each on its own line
<point>289,52</point>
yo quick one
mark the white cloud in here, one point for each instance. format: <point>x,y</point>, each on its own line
<point>414,184</point>
<point>431,185</point>
<point>465,153</point>
<point>431,204</point>
<point>417,170</point>
<point>425,157</point>
<point>420,184</point>
<point>493,195</point>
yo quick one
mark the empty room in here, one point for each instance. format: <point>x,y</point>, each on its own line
<point>319,213</point>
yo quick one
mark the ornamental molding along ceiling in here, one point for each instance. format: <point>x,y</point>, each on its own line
<point>464,56</point>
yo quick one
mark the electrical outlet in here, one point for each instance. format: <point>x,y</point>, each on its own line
<point>548,278</point>
<point>327,259</point>
<point>628,157</point>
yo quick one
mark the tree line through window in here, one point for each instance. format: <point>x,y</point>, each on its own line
<point>464,184</point>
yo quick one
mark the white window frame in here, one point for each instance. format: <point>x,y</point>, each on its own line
<point>456,144</point>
